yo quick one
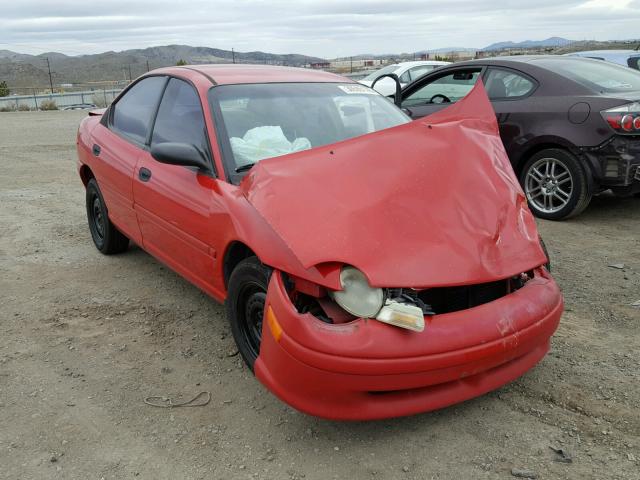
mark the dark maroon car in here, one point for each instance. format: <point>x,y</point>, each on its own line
<point>571,126</point>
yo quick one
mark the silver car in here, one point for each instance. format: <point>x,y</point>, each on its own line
<point>628,58</point>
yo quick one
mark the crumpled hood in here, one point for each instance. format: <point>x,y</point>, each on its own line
<point>431,203</point>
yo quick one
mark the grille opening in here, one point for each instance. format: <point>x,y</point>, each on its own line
<point>453,299</point>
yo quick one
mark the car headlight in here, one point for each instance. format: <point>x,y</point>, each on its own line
<point>358,297</point>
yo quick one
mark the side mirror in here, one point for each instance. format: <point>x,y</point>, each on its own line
<point>183,154</point>
<point>396,96</point>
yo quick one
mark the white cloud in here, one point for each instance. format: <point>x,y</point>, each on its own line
<point>326,28</point>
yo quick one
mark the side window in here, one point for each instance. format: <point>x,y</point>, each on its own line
<point>502,84</point>
<point>180,117</point>
<point>447,88</point>
<point>417,72</point>
<point>405,77</point>
<point>633,62</point>
<point>132,114</point>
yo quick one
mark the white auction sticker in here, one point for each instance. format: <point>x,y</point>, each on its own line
<point>356,88</point>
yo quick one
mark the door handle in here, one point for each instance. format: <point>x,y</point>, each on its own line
<point>96,149</point>
<point>144,174</point>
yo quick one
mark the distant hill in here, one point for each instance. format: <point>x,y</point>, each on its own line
<point>21,70</point>
<point>549,42</point>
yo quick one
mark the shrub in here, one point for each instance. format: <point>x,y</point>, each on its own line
<point>8,108</point>
<point>48,105</point>
<point>23,107</point>
<point>99,101</point>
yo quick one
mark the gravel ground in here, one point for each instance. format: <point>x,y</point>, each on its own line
<point>85,338</point>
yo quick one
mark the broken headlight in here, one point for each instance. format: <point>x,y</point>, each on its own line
<point>358,297</point>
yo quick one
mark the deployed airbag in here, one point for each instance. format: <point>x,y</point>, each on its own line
<point>264,142</point>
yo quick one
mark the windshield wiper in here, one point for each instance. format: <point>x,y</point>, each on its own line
<point>244,168</point>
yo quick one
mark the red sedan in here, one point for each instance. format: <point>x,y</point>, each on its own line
<point>371,266</point>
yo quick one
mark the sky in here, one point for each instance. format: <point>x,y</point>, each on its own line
<point>323,28</point>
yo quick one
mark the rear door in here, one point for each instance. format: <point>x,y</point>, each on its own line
<point>118,143</point>
<point>175,203</point>
<point>439,90</point>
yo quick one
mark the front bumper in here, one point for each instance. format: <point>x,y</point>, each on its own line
<point>369,370</point>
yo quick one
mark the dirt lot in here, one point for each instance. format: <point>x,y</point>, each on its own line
<point>85,338</point>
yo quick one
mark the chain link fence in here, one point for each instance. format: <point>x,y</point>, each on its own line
<point>24,99</point>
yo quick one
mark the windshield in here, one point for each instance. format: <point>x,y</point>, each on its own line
<point>388,69</point>
<point>602,77</point>
<point>258,121</point>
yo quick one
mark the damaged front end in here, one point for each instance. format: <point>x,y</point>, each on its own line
<point>423,227</point>
<point>401,307</point>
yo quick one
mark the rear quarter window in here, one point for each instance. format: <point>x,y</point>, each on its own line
<point>601,77</point>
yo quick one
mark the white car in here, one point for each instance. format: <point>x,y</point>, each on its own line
<point>406,72</point>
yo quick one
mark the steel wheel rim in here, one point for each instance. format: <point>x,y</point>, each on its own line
<point>548,185</point>
<point>251,302</point>
<point>97,218</point>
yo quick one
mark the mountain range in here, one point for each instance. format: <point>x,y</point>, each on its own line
<point>549,42</point>
<point>23,70</point>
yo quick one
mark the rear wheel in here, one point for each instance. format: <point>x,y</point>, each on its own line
<point>246,300</point>
<point>106,237</point>
<point>556,184</point>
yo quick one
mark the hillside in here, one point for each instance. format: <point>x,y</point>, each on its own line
<point>21,70</point>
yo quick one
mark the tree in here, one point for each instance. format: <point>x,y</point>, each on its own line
<point>181,62</point>
<point>4,89</point>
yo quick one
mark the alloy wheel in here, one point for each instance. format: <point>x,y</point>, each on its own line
<point>548,185</point>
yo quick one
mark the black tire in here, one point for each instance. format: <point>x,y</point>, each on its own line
<point>546,252</point>
<point>106,237</point>
<point>556,197</point>
<point>245,304</point>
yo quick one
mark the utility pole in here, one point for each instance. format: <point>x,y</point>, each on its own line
<point>233,55</point>
<point>147,65</point>
<point>351,59</point>
<point>129,73</point>
<point>50,79</point>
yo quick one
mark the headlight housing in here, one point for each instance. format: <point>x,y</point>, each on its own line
<point>358,297</point>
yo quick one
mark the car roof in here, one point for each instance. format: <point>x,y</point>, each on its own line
<point>223,74</point>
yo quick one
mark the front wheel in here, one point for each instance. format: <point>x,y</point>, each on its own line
<point>246,299</point>
<point>556,184</point>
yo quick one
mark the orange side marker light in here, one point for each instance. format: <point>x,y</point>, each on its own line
<point>274,326</point>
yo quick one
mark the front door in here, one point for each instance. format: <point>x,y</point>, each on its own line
<point>438,91</point>
<point>175,204</point>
